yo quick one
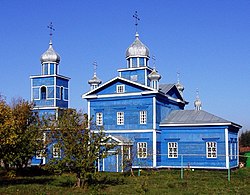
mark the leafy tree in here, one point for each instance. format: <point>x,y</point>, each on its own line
<point>245,139</point>
<point>80,147</point>
<point>20,133</point>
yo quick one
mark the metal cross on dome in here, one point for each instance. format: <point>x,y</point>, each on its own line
<point>136,19</point>
<point>95,66</point>
<point>51,27</point>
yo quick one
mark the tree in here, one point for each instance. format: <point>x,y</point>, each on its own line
<point>80,147</point>
<point>20,132</point>
<point>245,139</point>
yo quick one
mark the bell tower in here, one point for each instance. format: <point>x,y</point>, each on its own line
<point>49,90</point>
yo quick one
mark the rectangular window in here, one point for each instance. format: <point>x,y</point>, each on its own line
<point>120,118</point>
<point>45,69</point>
<point>143,117</point>
<point>141,61</point>
<point>133,77</point>
<point>134,62</point>
<point>172,150</point>
<point>52,69</point>
<point>39,154</point>
<point>211,149</point>
<point>126,153</point>
<point>120,88</point>
<point>99,119</point>
<point>142,149</point>
<point>56,152</point>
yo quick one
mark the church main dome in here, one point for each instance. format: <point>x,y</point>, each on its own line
<point>50,55</point>
<point>137,49</point>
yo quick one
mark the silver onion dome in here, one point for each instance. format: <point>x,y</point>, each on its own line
<point>50,55</point>
<point>95,80</point>
<point>154,76</point>
<point>137,49</point>
<point>197,104</point>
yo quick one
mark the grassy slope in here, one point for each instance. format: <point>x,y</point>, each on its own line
<point>152,182</point>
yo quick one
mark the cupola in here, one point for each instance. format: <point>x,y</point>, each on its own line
<point>50,55</point>
<point>137,54</point>
<point>197,102</point>
<point>154,78</point>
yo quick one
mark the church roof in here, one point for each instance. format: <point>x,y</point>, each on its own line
<point>194,118</point>
<point>165,87</point>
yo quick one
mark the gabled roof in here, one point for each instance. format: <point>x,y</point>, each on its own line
<point>113,80</point>
<point>165,90</point>
<point>194,118</point>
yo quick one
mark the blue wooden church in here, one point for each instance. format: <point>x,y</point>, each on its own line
<point>144,117</point>
<point>148,121</point>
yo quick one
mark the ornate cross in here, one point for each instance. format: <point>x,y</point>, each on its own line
<point>95,66</point>
<point>51,27</point>
<point>153,58</point>
<point>136,19</point>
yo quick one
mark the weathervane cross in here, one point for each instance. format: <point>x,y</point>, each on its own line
<point>95,66</point>
<point>136,19</point>
<point>153,58</point>
<point>51,27</point>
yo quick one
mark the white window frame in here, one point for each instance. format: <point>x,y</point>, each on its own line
<point>120,118</point>
<point>99,118</point>
<point>143,117</point>
<point>211,149</point>
<point>120,88</point>
<point>56,151</point>
<point>142,150</point>
<point>39,154</point>
<point>172,149</point>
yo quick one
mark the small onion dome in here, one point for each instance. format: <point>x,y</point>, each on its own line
<point>197,104</point>
<point>95,80</point>
<point>137,49</point>
<point>154,76</point>
<point>179,86</point>
<point>50,55</point>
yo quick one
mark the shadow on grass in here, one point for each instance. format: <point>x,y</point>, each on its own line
<point>17,181</point>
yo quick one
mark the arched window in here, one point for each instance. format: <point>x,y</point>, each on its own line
<point>61,93</point>
<point>43,93</point>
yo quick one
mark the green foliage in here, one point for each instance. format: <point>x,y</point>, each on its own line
<point>245,139</point>
<point>20,132</point>
<point>80,147</point>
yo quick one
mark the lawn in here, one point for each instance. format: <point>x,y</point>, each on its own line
<point>149,182</point>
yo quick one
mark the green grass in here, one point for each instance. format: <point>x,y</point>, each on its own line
<point>150,182</point>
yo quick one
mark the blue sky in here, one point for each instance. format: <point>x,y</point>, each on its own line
<point>208,42</point>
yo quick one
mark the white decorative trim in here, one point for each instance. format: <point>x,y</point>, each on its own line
<point>117,78</point>
<point>193,167</point>
<point>198,124</point>
<point>146,78</point>
<point>154,113</point>
<point>117,164</point>
<point>226,148</point>
<point>128,131</point>
<point>154,148</point>
<point>134,68</point>
<point>103,165</point>
<point>42,76</point>
<point>55,91</point>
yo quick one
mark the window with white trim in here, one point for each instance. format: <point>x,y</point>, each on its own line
<point>142,149</point>
<point>99,119</point>
<point>43,93</point>
<point>143,117</point>
<point>120,88</point>
<point>211,149</point>
<point>56,151</point>
<point>39,154</point>
<point>120,118</point>
<point>172,150</point>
